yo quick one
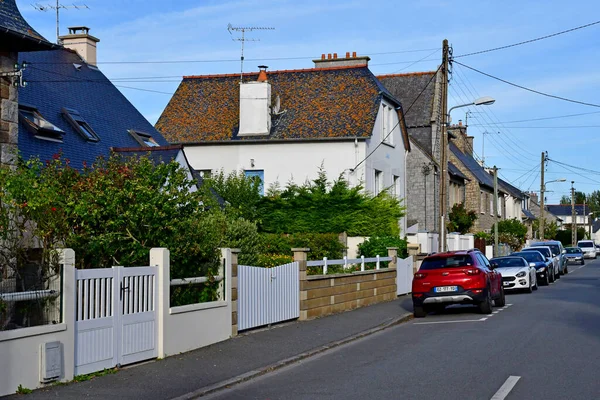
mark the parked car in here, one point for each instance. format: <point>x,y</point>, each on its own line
<point>575,255</point>
<point>553,262</point>
<point>516,273</point>
<point>588,247</point>
<point>558,251</point>
<point>537,260</point>
<point>457,277</point>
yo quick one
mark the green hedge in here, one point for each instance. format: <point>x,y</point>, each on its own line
<point>377,245</point>
<point>320,244</point>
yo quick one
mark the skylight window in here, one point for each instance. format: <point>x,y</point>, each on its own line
<point>41,127</point>
<point>144,139</point>
<point>80,125</point>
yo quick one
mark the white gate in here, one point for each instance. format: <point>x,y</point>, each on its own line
<point>115,317</point>
<point>267,295</point>
<point>404,275</point>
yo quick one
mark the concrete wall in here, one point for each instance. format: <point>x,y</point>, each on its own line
<point>190,327</point>
<point>9,111</point>
<point>352,243</point>
<point>20,354</point>
<point>322,295</point>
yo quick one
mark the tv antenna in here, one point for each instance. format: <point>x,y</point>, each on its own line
<point>243,39</point>
<point>57,7</point>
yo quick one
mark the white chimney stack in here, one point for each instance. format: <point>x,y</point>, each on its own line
<point>255,106</point>
<point>82,42</point>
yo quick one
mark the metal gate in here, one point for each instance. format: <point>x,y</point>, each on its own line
<point>267,295</point>
<point>404,275</point>
<point>115,317</point>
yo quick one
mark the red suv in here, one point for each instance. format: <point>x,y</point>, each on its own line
<point>457,277</point>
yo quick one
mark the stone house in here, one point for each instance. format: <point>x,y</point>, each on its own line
<point>421,91</point>
<point>534,208</point>
<point>479,192</point>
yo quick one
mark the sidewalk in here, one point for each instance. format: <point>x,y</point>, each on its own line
<point>190,374</point>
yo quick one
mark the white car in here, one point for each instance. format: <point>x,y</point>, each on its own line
<point>547,252</point>
<point>588,247</point>
<point>516,273</point>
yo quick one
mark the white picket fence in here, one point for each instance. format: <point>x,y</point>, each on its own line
<point>268,295</point>
<point>347,262</point>
<point>115,317</point>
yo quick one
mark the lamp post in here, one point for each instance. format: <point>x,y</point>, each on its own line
<point>482,101</point>
<point>542,190</point>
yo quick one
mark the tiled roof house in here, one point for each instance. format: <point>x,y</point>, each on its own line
<point>420,95</point>
<point>285,125</point>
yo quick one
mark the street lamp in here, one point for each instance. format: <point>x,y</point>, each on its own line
<point>542,190</point>
<point>482,101</point>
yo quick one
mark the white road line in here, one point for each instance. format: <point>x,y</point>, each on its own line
<point>450,322</point>
<point>506,388</point>
<point>495,312</point>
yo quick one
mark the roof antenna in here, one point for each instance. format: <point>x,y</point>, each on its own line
<point>243,39</point>
<point>57,7</point>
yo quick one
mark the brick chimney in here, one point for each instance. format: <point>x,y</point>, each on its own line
<point>534,197</point>
<point>328,60</point>
<point>461,139</point>
<point>80,40</point>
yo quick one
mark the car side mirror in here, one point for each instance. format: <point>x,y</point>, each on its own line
<point>564,252</point>
<point>493,266</point>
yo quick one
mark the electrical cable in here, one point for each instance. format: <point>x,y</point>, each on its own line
<point>528,41</point>
<point>528,89</point>
<point>573,166</point>
<point>546,118</point>
<point>398,123</point>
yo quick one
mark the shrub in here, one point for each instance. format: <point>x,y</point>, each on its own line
<point>378,245</point>
<point>243,234</point>
<point>320,244</point>
<point>461,220</point>
<point>273,260</point>
<point>512,231</point>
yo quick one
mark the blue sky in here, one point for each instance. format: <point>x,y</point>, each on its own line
<point>411,32</point>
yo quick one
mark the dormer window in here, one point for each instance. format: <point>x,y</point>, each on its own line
<point>41,127</point>
<point>80,125</point>
<point>144,139</point>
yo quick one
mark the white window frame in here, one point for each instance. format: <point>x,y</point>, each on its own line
<point>482,202</point>
<point>378,181</point>
<point>396,186</point>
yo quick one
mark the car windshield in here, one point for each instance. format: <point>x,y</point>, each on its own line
<point>543,250</point>
<point>446,262</point>
<point>573,250</point>
<point>585,244</point>
<point>530,256</point>
<point>554,247</point>
<point>508,262</point>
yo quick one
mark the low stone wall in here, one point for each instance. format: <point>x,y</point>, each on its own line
<point>328,294</point>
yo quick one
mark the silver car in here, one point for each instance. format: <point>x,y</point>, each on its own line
<point>557,251</point>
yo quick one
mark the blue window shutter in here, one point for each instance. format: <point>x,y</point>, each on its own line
<point>261,175</point>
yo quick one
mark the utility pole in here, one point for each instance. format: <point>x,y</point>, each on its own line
<point>573,216</point>
<point>444,145</point>
<point>495,211</point>
<point>542,190</point>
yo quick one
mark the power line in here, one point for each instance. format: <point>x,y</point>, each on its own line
<point>546,118</point>
<point>398,123</point>
<point>418,61</point>
<point>529,41</point>
<point>552,127</point>
<point>528,89</point>
<point>237,59</point>
<point>573,166</point>
<point>578,174</point>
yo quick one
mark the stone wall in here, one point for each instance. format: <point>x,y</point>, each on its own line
<point>422,191</point>
<point>9,111</point>
<point>322,295</point>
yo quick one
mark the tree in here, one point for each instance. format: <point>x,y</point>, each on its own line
<point>512,232</point>
<point>550,229</point>
<point>461,220</point>
<point>580,198</point>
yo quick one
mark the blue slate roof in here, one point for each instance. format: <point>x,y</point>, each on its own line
<point>565,209</point>
<point>510,189</point>
<point>54,83</point>
<point>528,214</point>
<point>15,33</point>
<point>453,170</point>
<point>474,168</point>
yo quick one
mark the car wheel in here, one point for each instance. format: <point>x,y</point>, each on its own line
<point>550,277</point>
<point>485,307</point>
<point>535,287</point>
<point>546,281</point>
<point>529,289</point>
<point>501,300</point>
<point>582,262</point>
<point>557,276</point>
<point>566,269</point>
<point>419,312</point>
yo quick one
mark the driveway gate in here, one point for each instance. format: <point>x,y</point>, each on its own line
<point>404,275</point>
<point>267,295</point>
<point>115,317</point>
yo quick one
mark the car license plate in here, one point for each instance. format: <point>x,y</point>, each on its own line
<point>442,289</point>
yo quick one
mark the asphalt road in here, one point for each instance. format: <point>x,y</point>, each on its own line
<point>544,345</point>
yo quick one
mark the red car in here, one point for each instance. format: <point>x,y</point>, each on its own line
<point>457,277</point>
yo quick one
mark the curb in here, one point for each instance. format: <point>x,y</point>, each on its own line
<point>291,360</point>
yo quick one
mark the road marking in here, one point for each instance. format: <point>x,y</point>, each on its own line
<point>450,322</point>
<point>506,388</point>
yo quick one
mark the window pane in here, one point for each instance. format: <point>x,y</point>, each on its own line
<point>86,130</point>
